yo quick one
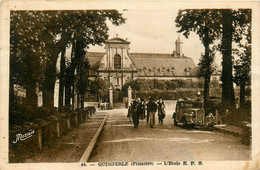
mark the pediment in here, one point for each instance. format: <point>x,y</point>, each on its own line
<point>117,40</point>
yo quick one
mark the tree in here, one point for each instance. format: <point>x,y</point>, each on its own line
<point>82,76</point>
<point>100,87</point>
<point>234,24</point>
<point>227,24</point>
<point>38,37</point>
<point>28,54</point>
<point>89,25</point>
<point>61,77</point>
<point>242,66</point>
<point>203,23</point>
<point>226,50</point>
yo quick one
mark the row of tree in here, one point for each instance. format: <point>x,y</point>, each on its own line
<point>155,84</point>
<point>229,26</point>
<point>39,38</point>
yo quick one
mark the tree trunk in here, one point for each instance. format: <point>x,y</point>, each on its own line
<point>11,91</point>
<point>67,93</point>
<point>73,96</point>
<point>62,77</point>
<point>69,79</point>
<point>207,67</point>
<point>82,101</point>
<point>78,101</point>
<point>31,96</point>
<point>242,91</point>
<point>50,76</point>
<point>13,64</point>
<point>206,89</point>
<point>227,78</point>
<point>48,94</point>
<point>49,83</point>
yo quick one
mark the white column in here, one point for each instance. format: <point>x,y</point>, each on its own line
<point>56,93</point>
<point>111,97</point>
<point>129,95</point>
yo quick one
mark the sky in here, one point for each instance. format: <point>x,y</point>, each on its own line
<point>154,31</point>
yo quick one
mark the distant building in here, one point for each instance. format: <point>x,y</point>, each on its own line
<point>118,66</point>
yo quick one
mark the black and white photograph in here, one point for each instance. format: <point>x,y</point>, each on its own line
<point>148,85</point>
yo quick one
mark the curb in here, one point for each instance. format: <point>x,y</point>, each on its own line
<point>227,131</point>
<point>87,153</point>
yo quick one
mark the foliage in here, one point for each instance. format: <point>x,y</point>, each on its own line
<point>242,66</point>
<point>235,23</point>
<point>199,21</point>
<point>167,94</point>
<point>37,38</point>
<point>82,77</point>
<point>25,117</point>
<point>100,87</point>
<point>27,50</point>
<point>155,84</point>
<point>204,24</point>
<point>225,24</point>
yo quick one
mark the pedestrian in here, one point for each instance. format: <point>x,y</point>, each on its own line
<point>130,111</point>
<point>147,114</point>
<point>142,109</point>
<point>135,115</point>
<point>161,110</point>
<point>139,108</point>
<point>151,109</point>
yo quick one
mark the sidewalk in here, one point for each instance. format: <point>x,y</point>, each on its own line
<point>70,147</point>
<point>229,129</point>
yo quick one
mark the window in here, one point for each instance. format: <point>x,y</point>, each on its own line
<point>117,81</point>
<point>117,61</point>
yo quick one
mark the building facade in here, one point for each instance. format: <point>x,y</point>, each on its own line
<point>118,65</point>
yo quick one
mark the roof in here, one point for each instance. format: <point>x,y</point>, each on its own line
<point>94,57</point>
<point>155,61</point>
<point>117,40</point>
<point>163,61</point>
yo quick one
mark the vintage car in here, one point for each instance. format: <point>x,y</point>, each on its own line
<point>189,112</point>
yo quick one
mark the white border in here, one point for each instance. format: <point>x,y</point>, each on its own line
<point>6,6</point>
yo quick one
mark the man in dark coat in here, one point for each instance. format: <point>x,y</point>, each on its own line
<point>161,111</point>
<point>135,115</point>
<point>142,110</point>
<point>151,109</point>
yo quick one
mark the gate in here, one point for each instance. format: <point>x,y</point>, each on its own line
<point>117,96</point>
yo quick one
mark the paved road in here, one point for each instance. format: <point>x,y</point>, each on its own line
<point>119,141</point>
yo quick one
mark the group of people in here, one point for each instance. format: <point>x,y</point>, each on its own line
<point>139,109</point>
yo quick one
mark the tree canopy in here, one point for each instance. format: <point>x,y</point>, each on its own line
<point>38,37</point>
<point>228,25</point>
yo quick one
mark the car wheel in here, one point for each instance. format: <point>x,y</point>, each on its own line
<point>175,123</point>
<point>184,121</point>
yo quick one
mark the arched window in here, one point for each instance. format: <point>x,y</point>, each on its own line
<point>117,61</point>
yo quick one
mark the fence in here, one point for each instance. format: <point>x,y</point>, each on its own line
<point>31,140</point>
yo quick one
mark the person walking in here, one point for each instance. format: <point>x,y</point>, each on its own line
<point>130,111</point>
<point>147,114</point>
<point>161,111</point>
<point>142,111</point>
<point>139,108</point>
<point>151,109</point>
<point>135,115</point>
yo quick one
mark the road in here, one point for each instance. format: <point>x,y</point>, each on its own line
<point>120,141</point>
